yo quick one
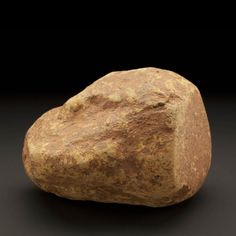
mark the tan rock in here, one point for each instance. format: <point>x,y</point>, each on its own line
<point>138,137</point>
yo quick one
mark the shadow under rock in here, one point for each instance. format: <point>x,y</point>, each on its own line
<point>55,210</point>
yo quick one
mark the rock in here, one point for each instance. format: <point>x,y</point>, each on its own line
<point>137,137</point>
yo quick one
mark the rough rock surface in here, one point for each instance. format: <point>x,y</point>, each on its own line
<point>138,137</point>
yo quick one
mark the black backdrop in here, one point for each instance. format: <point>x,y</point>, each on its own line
<point>39,60</point>
<point>42,68</point>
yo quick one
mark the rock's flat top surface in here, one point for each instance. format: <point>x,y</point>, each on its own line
<point>137,137</point>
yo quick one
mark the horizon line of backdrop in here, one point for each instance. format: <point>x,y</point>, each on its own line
<point>68,60</point>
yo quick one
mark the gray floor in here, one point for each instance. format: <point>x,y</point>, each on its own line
<point>25,210</point>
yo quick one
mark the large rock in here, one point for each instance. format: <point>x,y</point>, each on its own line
<point>138,137</point>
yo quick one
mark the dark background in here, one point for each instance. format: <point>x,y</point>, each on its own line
<point>42,68</point>
<point>59,60</point>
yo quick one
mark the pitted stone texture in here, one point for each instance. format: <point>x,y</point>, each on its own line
<point>138,137</point>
